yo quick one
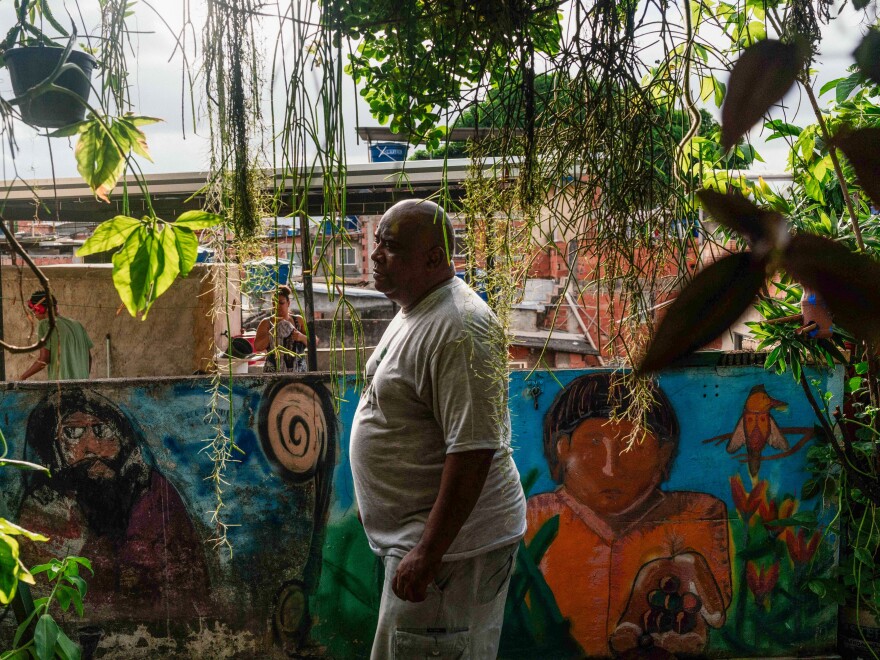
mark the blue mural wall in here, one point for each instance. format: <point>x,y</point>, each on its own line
<point>695,537</point>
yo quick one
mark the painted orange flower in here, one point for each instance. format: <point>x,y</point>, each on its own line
<point>762,580</point>
<point>747,504</point>
<point>800,549</point>
<point>772,512</point>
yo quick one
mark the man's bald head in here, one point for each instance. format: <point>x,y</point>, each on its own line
<point>427,219</point>
<point>413,246</point>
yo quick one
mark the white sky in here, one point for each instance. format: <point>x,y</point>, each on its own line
<point>158,91</point>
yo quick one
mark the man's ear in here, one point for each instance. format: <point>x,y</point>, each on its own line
<point>437,257</point>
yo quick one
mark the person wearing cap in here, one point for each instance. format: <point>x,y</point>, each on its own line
<point>67,353</point>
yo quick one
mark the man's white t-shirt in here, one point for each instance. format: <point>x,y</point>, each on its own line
<point>437,384</point>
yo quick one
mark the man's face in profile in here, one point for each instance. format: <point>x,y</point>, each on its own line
<point>89,445</point>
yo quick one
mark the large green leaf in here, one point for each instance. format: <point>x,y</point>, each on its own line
<point>761,77</point>
<point>198,220</point>
<point>715,298</point>
<point>9,568</point>
<point>187,248</point>
<point>108,235</point>
<point>98,160</point>
<point>167,265</point>
<point>134,268</point>
<point>66,648</point>
<point>45,637</point>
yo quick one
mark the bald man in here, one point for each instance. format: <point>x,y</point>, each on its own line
<point>436,486</point>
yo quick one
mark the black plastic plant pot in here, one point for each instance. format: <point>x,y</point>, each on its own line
<point>31,65</point>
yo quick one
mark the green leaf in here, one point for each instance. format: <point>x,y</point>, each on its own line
<point>167,266</point>
<point>98,160</point>
<point>24,625</point>
<point>66,648</point>
<point>187,248</point>
<point>133,268</point>
<point>63,596</point>
<point>543,538</point>
<point>846,86</point>
<point>71,129</point>
<point>864,555</point>
<point>9,568</point>
<point>82,561</point>
<point>831,84</point>
<point>7,527</point>
<point>79,583</point>
<point>108,235</point>
<point>781,129</point>
<point>714,299</point>
<point>854,383</point>
<point>141,120</point>
<point>198,220</point>
<point>45,636</point>
<point>130,138</point>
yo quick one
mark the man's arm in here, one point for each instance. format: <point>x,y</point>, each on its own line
<point>38,365</point>
<point>462,480</point>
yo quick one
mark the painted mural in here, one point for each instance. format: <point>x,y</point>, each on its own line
<point>127,489</point>
<point>696,542</point>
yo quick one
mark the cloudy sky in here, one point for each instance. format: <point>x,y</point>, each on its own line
<point>177,145</point>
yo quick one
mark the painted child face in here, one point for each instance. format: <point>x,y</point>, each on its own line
<point>602,476</point>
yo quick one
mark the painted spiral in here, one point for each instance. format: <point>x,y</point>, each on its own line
<point>296,430</point>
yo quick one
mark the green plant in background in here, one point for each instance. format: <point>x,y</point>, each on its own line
<point>833,258</point>
<point>39,636</point>
<point>149,253</point>
<point>12,570</point>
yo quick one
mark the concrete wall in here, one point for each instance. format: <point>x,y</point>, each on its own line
<point>174,340</point>
<point>697,562</point>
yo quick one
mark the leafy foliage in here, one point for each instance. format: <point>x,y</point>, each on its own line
<point>67,589</point>
<point>149,254</point>
<point>419,55</point>
<point>104,146</point>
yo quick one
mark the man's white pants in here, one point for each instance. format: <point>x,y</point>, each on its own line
<point>461,616</point>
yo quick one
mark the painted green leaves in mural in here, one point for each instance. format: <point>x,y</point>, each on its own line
<point>103,148</point>
<point>150,254</point>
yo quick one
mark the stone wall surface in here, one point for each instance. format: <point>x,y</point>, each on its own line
<point>675,542</point>
<point>174,340</point>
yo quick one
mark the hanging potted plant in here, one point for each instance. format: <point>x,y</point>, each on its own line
<point>51,82</point>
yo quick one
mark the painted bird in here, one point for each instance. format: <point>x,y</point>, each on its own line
<point>757,428</point>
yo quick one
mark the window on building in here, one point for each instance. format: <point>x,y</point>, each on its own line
<point>347,256</point>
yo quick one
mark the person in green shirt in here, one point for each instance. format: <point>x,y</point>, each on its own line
<point>68,351</point>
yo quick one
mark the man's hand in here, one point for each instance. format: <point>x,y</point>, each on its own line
<point>414,573</point>
<point>461,483</point>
